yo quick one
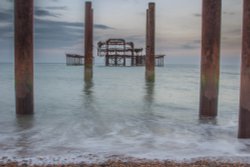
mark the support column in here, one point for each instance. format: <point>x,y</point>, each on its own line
<point>24,57</point>
<point>210,58</point>
<point>124,61</point>
<point>132,55</point>
<point>107,60</point>
<point>244,118</point>
<point>88,61</point>
<point>150,43</point>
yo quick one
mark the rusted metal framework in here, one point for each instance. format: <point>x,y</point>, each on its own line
<point>159,60</point>
<point>118,52</point>
<point>74,60</point>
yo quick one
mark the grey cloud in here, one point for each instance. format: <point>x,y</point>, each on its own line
<point>101,26</point>
<point>53,34</point>
<point>48,33</point>
<point>196,41</point>
<point>42,13</point>
<point>191,45</point>
<point>234,30</point>
<point>9,1</point>
<point>6,16</point>
<point>225,13</point>
<point>56,7</point>
<point>188,46</point>
<point>197,15</point>
<point>229,13</point>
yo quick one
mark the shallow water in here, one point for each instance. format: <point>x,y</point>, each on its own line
<point>118,113</point>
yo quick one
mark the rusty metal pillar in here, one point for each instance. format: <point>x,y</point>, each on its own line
<point>210,58</point>
<point>150,43</point>
<point>88,61</point>
<point>24,57</point>
<point>244,118</point>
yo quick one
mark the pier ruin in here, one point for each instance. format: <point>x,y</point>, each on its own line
<point>118,52</point>
<point>74,60</point>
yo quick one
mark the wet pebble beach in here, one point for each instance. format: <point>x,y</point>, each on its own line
<point>126,162</point>
<point>202,163</point>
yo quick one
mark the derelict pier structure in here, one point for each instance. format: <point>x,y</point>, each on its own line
<point>74,60</point>
<point>118,52</point>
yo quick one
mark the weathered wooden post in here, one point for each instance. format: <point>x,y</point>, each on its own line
<point>88,61</point>
<point>150,43</point>
<point>210,58</point>
<point>244,117</point>
<point>24,56</point>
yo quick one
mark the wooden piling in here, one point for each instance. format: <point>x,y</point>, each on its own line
<point>88,68</point>
<point>244,115</point>
<point>210,58</point>
<point>150,43</point>
<point>24,57</point>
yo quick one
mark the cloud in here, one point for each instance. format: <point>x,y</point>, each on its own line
<point>197,15</point>
<point>48,33</point>
<point>43,13</point>
<point>101,26</point>
<point>224,13</point>
<point>45,25</point>
<point>191,45</point>
<point>5,16</point>
<point>9,1</point>
<point>56,8</point>
<point>229,13</point>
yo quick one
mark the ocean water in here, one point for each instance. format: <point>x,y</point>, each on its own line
<point>118,114</point>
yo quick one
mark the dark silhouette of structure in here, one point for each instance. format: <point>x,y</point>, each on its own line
<point>74,60</point>
<point>118,52</point>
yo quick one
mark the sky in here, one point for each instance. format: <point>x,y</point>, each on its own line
<point>59,28</point>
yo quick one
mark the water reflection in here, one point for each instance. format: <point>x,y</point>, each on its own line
<point>209,131</point>
<point>94,119</point>
<point>208,120</point>
<point>149,95</point>
<point>88,95</point>
<point>150,118</point>
<point>24,126</point>
<point>88,86</point>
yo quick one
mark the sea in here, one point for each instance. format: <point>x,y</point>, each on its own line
<point>119,115</point>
